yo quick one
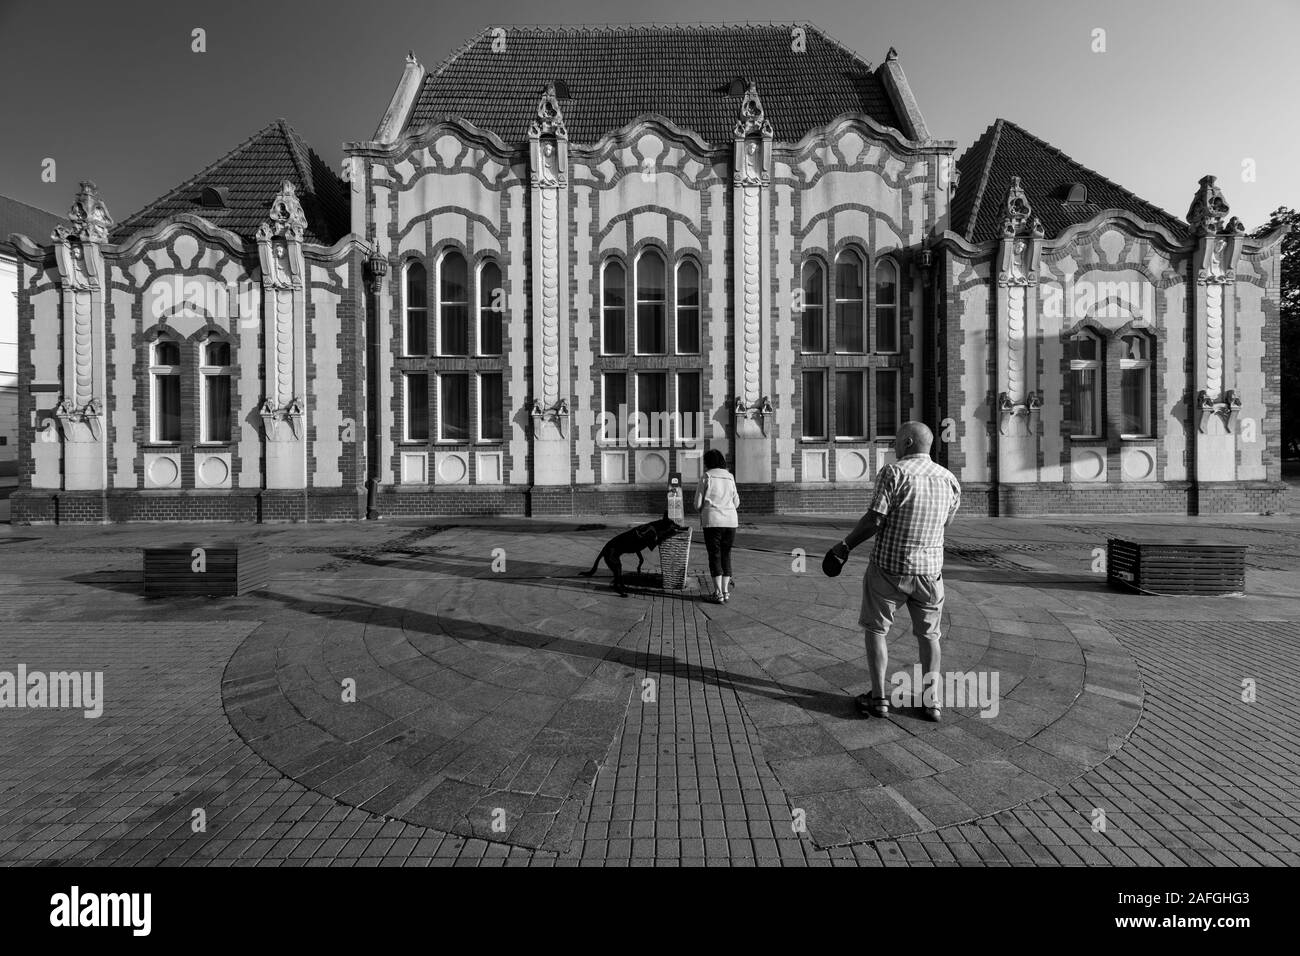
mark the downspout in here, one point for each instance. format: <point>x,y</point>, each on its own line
<point>376,269</point>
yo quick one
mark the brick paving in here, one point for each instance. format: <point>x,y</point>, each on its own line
<point>696,773</point>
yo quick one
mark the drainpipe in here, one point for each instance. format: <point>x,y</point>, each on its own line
<point>376,269</point>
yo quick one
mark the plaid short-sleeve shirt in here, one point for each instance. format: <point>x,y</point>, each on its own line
<point>918,499</point>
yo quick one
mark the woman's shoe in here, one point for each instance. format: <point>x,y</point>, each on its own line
<point>875,706</point>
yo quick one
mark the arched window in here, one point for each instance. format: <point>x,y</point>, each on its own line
<point>165,402</point>
<point>813,288</point>
<point>850,332</point>
<point>214,371</point>
<point>886,306</point>
<point>491,308</point>
<point>613,308</point>
<point>688,307</point>
<point>453,305</point>
<point>416,337</point>
<point>1083,353</point>
<point>651,338</point>
<point>1136,350</point>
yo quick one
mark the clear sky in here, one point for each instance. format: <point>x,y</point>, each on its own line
<point>113,92</point>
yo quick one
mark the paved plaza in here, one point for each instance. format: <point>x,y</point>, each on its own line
<point>451,692</point>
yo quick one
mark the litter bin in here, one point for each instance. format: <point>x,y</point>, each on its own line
<point>675,552</point>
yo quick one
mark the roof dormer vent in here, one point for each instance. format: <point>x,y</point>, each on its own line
<point>215,197</point>
<point>1076,192</point>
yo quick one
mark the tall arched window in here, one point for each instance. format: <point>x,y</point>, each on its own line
<point>814,307</point>
<point>688,307</point>
<point>1083,353</point>
<point>416,338</point>
<point>165,403</point>
<point>1135,384</point>
<point>886,306</point>
<point>850,332</point>
<point>453,305</point>
<point>491,308</point>
<point>651,337</point>
<point>214,370</point>
<point>613,308</point>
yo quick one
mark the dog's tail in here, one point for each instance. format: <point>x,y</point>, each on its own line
<point>587,574</point>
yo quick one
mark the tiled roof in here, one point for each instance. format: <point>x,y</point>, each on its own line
<point>252,173</point>
<point>26,220</point>
<point>615,74</point>
<point>1006,150</point>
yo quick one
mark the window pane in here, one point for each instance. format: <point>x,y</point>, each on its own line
<point>689,406</point>
<point>650,305</point>
<point>216,353</point>
<point>848,328</point>
<point>453,391</point>
<point>886,307</point>
<point>688,307</point>
<point>1081,348</point>
<point>886,402</point>
<point>848,304</point>
<point>650,275</point>
<point>614,410</point>
<point>614,290</point>
<point>491,399</point>
<point>216,407</point>
<point>814,308</point>
<point>167,353</point>
<point>850,416</point>
<point>1083,402</point>
<point>886,284</point>
<point>417,407</point>
<point>417,300</point>
<point>814,405</point>
<point>167,415</point>
<point>454,303</point>
<point>1135,348</point>
<point>652,406</point>
<point>1134,407</point>
<point>491,309</point>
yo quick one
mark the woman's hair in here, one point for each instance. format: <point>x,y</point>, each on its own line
<point>714,459</point>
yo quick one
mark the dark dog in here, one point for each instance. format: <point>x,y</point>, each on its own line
<point>643,537</point>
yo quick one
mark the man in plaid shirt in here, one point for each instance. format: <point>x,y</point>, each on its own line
<point>915,499</point>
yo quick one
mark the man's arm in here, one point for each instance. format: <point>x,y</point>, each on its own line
<point>868,526</point>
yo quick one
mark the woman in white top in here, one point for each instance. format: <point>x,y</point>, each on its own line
<point>716,499</point>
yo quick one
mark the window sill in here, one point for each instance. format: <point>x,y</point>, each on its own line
<point>1138,438</point>
<point>1089,439</point>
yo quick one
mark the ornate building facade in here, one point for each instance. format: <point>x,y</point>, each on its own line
<point>569,260</point>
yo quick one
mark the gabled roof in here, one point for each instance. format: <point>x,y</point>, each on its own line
<point>1046,173</point>
<point>615,74</point>
<point>250,176</point>
<point>26,220</point>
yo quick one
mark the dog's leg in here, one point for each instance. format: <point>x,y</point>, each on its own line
<point>616,566</point>
<point>640,560</point>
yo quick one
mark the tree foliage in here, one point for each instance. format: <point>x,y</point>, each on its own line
<point>1290,327</point>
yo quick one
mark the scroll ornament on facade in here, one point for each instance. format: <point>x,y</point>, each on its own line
<point>753,135</point>
<point>279,241</point>
<point>76,245</point>
<point>557,415</point>
<point>84,424</point>
<point>1021,241</point>
<point>1220,247</point>
<point>550,137</point>
<point>279,247</point>
<point>284,423</point>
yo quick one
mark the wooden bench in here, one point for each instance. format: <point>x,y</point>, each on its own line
<point>1176,566</point>
<point>215,570</point>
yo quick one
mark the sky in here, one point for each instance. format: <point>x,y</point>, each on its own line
<point>113,92</point>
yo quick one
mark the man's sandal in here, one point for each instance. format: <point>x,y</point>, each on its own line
<point>875,706</point>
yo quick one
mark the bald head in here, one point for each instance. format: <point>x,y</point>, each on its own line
<point>913,438</point>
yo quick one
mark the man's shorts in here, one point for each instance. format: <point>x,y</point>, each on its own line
<point>883,593</point>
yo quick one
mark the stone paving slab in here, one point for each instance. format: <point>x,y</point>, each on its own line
<point>1203,779</point>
